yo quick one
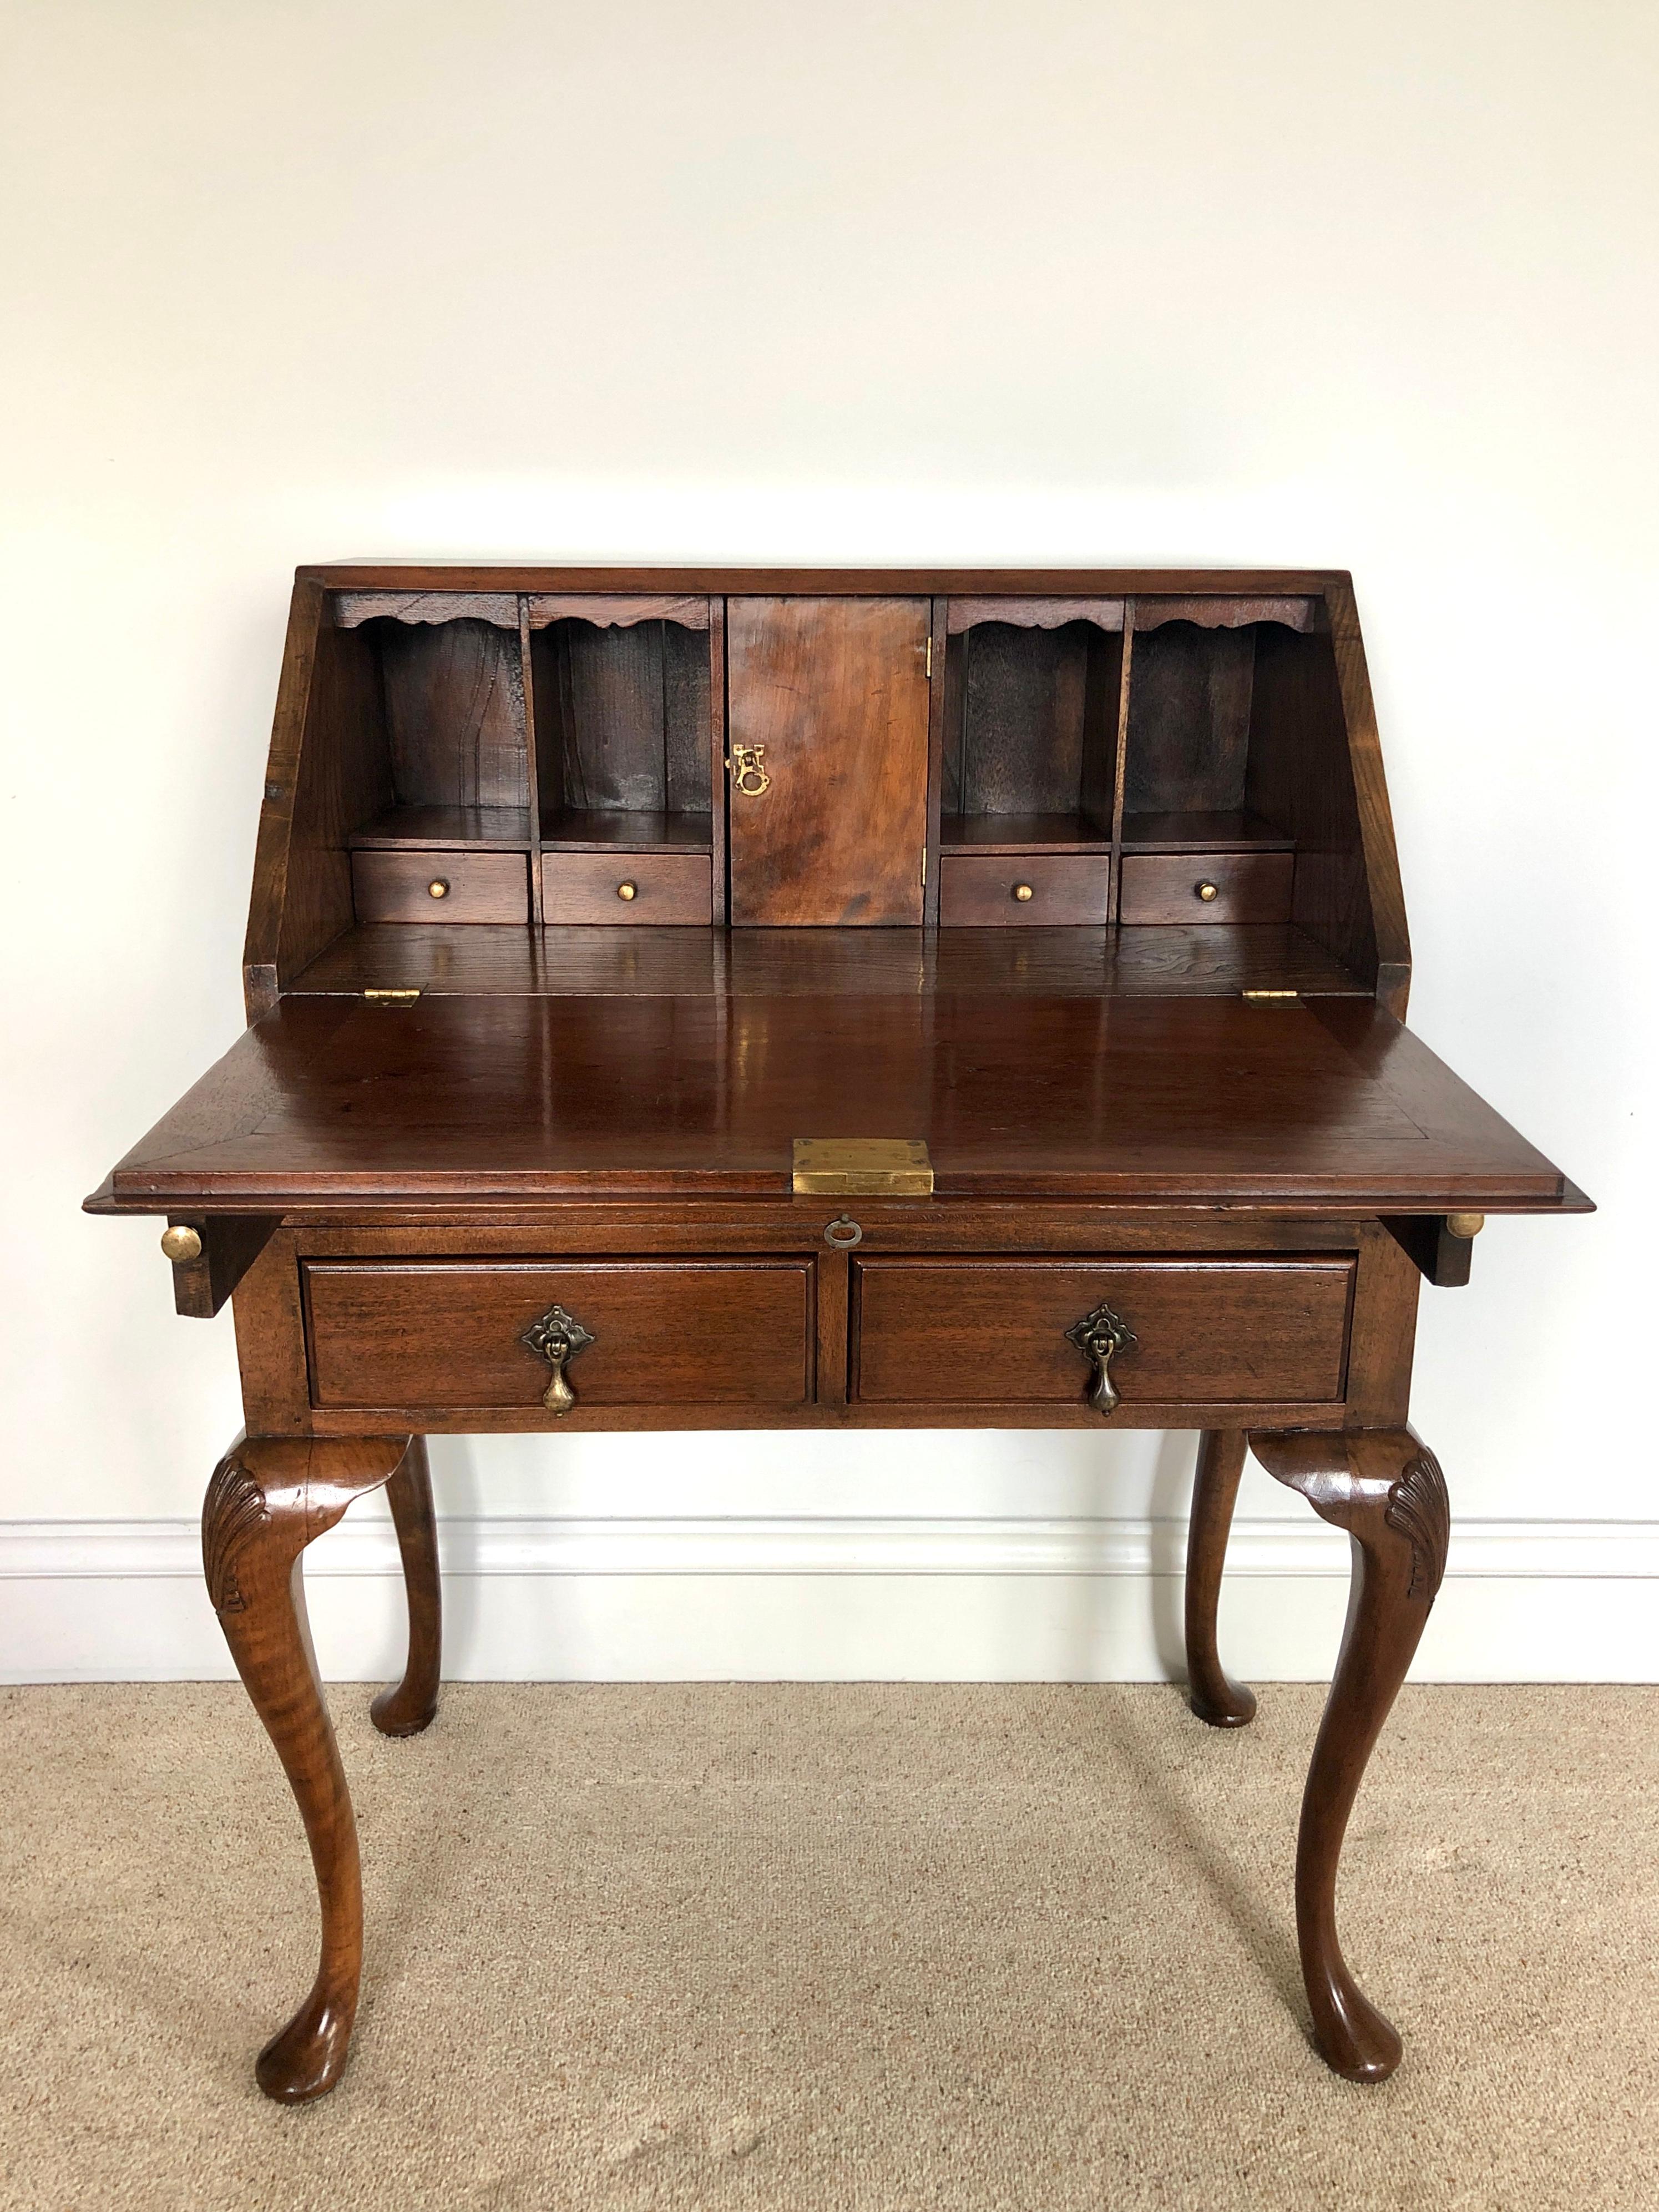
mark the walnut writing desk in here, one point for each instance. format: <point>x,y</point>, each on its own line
<point>692,999</point>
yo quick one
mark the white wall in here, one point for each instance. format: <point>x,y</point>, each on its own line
<point>1060,281</point>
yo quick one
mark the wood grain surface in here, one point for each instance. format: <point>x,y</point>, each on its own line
<point>447,1332</point>
<point>1164,887</point>
<point>331,1102</point>
<point>1071,962</point>
<point>994,1332</point>
<point>977,891</point>
<point>836,693</point>
<point>587,887</point>
<point>482,887</point>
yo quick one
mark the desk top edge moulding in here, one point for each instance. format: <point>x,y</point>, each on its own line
<point>713,998</point>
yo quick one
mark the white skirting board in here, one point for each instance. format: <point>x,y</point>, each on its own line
<point>832,1599</point>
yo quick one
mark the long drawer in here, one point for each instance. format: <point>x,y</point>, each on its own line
<point>994,1332</point>
<point>451,1332</point>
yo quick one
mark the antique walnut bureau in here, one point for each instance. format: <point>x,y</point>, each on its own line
<point>705,1000</point>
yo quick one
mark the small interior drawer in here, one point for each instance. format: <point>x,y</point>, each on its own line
<point>982,890</point>
<point>1244,887</point>
<point>622,887</point>
<point>994,1332</point>
<point>450,1332</point>
<point>440,886</point>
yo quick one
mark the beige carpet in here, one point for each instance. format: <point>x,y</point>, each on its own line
<point>849,1947</point>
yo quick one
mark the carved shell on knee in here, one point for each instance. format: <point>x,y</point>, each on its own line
<point>1419,1511</point>
<point>234,1512</point>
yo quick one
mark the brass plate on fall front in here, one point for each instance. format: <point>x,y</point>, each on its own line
<point>863,1167</point>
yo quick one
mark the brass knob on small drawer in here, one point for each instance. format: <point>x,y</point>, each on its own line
<point>438,888</point>
<point>181,1242</point>
<point>1098,1336</point>
<point>1206,890</point>
<point>1023,891</point>
<point>628,891</point>
<point>558,1337</point>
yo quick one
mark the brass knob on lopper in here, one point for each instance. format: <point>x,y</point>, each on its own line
<point>181,1242</point>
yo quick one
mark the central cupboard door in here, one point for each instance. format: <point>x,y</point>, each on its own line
<point>832,694</point>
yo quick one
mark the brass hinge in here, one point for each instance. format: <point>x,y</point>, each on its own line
<point>927,669</point>
<point>399,998</point>
<point>1270,998</point>
<point>862,1167</point>
<point>924,867</point>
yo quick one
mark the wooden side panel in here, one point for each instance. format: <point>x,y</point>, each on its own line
<point>455,714</point>
<point>837,692</point>
<point>339,779</point>
<point>1103,684</point>
<point>307,612</point>
<point>1387,897</point>
<point>685,674</point>
<point>1301,779</point>
<point>1384,1330</point>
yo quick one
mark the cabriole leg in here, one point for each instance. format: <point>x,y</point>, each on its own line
<point>1213,1696</point>
<point>1386,1489</point>
<point>269,1498</point>
<point>408,1707</point>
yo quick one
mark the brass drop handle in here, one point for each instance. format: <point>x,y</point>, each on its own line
<point>1098,1336</point>
<point>628,891</point>
<point>557,1337</point>
<point>438,888</point>
<point>1023,891</point>
<point>842,1233</point>
<point>748,775</point>
<point>1206,890</point>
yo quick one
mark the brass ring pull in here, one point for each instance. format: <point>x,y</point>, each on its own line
<point>628,891</point>
<point>748,777</point>
<point>438,888</point>
<point>844,1243</point>
<point>558,1338</point>
<point>1097,1336</point>
<point>1023,891</point>
<point>1206,890</point>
